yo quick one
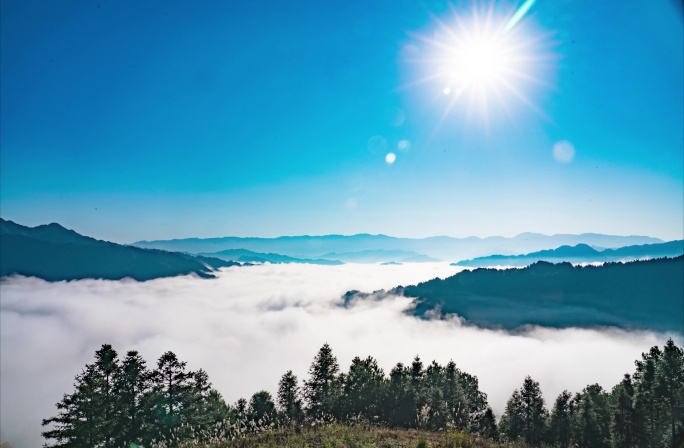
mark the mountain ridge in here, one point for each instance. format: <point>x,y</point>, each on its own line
<point>55,253</point>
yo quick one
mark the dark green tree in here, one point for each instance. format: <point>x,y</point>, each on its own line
<point>172,387</point>
<point>623,422</point>
<point>87,418</point>
<point>525,416</point>
<point>647,404</point>
<point>132,387</point>
<point>262,410</point>
<point>455,400</point>
<point>289,400</point>
<point>322,390</point>
<point>669,387</point>
<point>400,407</point>
<point>592,418</point>
<point>364,389</point>
<point>560,423</point>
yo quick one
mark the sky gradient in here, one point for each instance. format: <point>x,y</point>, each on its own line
<point>129,121</point>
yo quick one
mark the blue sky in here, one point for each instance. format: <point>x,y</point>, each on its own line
<point>129,120</point>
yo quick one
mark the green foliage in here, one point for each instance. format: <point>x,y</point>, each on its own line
<point>289,400</point>
<point>124,404</point>
<point>121,403</point>
<point>323,389</point>
<point>525,416</point>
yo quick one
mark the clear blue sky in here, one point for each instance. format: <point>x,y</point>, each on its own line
<point>146,120</point>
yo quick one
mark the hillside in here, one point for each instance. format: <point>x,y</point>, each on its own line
<point>640,294</point>
<point>581,253</point>
<point>54,253</point>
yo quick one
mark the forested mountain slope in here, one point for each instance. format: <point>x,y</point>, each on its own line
<point>54,253</point>
<point>640,294</point>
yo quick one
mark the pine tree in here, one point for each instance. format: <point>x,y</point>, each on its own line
<point>364,389</point>
<point>400,407</point>
<point>455,399</point>
<point>623,421</point>
<point>289,401</point>
<point>87,417</point>
<point>525,416</point>
<point>669,387</point>
<point>172,386</point>
<point>560,424</point>
<point>131,388</point>
<point>592,418</point>
<point>261,411</point>
<point>648,407</point>
<point>322,391</point>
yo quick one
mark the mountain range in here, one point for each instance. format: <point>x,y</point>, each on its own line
<point>248,256</point>
<point>346,248</point>
<point>581,253</point>
<point>645,294</point>
<point>54,253</point>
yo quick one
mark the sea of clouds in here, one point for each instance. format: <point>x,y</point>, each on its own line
<point>252,324</point>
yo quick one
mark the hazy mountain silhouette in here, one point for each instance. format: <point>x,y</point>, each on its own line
<point>54,253</point>
<point>438,247</point>
<point>581,253</point>
<point>380,256</point>
<point>249,256</point>
<point>639,294</point>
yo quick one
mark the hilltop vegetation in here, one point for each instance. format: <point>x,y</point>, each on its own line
<point>123,403</point>
<point>640,294</point>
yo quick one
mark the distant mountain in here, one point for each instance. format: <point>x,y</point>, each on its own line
<point>438,247</point>
<point>581,253</point>
<point>380,256</point>
<point>639,294</point>
<point>54,253</point>
<point>249,256</point>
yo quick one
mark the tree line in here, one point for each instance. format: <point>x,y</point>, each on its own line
<point>123,403</point>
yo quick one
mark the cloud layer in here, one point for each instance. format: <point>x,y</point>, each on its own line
<point>250,325</point>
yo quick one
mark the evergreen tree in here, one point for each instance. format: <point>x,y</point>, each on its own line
<point>289,401</point>
<point>525,416</point>
<point>435,400</point>
<point>87,418</point>
<point>623,421</point>
<point>475,400</point>
<point>262,410</point>
<point>560,424</point>
<point>364,389</point>
<point>400,408</point>
<point>648,407</point>
<point>322,391</point>
<point>132,386</point>
<point>592,418</point>
<point>669,387</point>
<point>455,400</point>
<point>171,390</point>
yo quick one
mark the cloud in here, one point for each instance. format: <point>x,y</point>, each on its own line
<point>250,325</point>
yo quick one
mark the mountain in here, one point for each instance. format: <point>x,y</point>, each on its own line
<point>639,294</point>
<point>249,256</point>
<point>581,253</point>
<point>380,256</point>
<point>54,253</point>
<point>438,247</point>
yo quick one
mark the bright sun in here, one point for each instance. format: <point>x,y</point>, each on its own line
<point>481,57</point>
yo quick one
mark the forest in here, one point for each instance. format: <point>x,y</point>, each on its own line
<point>121,402</point>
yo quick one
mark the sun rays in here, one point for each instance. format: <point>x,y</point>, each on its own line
<point>482,58</point>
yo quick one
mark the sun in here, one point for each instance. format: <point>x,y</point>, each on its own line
<point>482,56</point>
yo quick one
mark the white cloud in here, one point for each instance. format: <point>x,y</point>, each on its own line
<point>250,325</point>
